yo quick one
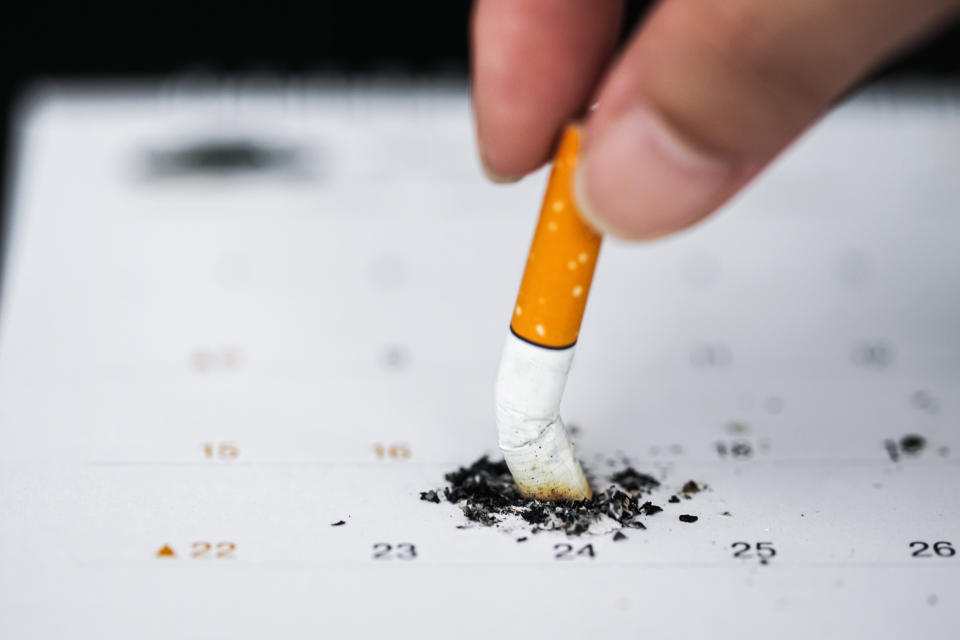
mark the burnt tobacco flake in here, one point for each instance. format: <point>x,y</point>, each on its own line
<point>648,509</point>
<point>691,487</point>
<point>635,482</point>
<point>912,444</point>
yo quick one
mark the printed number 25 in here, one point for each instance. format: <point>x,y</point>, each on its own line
<point>764,550</point>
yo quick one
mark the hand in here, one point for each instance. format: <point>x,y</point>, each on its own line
<point>702,98</point>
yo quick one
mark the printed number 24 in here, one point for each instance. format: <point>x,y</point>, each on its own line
<point>565,551</point>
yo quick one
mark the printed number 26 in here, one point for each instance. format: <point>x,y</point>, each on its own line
<point>942,548</point>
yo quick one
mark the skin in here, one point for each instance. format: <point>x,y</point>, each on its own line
<point>703,96</point>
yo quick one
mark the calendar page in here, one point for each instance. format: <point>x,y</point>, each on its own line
<point>249,335</point>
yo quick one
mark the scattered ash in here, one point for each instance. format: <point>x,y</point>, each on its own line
<point>486,494</point>
<point>522,539</point>
<point>618,536</point>
<point>688,518</point>
<point>673,500</point>
<point>728,514</point>
<point>634,481</point>
<point>892,450</point>
<point>909,445</point>
<point>338,523</point>
<point>479,513</point>
<point>430,496</point>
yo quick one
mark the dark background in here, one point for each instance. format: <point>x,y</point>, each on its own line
<point>150,39</point>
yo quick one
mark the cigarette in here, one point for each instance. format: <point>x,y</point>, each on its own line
<point>539,348</point>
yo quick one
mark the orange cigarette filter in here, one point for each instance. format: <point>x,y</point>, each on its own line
<point>563,255</point>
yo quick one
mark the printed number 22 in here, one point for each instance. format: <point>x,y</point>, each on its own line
<point>219,550</point>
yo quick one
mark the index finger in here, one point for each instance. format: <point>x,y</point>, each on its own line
<point>535,65</point>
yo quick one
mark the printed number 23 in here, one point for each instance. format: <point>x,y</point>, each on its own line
<point>402,551</point>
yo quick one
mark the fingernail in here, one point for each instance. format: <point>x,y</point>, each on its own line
<point>640,180</point>
<point>493,176</point>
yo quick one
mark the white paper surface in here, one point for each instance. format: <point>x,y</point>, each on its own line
<point>241,360</point>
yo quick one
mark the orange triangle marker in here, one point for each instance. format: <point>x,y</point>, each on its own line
<point>166,552</point>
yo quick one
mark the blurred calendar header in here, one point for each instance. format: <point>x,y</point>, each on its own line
<point>154,40</point>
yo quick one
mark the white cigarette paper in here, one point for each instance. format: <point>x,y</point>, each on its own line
<point>532,436</point>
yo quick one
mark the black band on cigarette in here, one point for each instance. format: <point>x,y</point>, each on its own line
<point>542,346</point>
